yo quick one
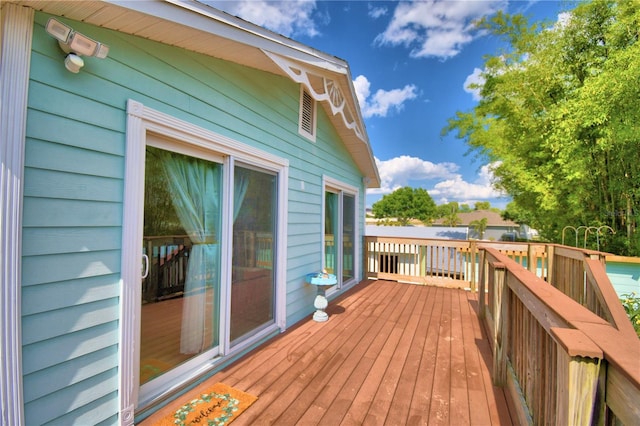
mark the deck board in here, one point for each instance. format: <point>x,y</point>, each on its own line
<point>459,407</point>
<point>478,402</point>
<point>390,354</point>
<point>324,388</point>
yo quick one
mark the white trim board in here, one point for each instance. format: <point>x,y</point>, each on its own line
<point>16,38</point>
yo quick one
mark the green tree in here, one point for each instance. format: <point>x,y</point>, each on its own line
<point>443,210</point>
<point>515,214</point>
<point>449,213</point>
<point>452,219</point>
<point>560,112</point>
<point>483,205</point>
<point>479,226</point>
<point>405,204</point>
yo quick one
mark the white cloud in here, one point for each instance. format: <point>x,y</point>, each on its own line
<point>289,18</point>
<point>400,171</point>
<point>376,12</point>
<point>382,101</point>
<point>450,185</point>
<point>437,28</point>
<point>456,189</point>
<point>475,78</point>
<point>564,19</point>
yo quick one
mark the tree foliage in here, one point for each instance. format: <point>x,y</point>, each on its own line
<point>405,204</point>
<point>449,213</point>
<point>514,213</point>
<point>482,205</point>
<point>479,226</point>
<point>560,111</point>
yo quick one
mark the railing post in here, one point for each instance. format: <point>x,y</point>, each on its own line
<point>550,261</point>
<point>500,327</point>
<point>532,260</point>
<point>473,250</point>
<point>365,257</point>
<point>483,286</point>
<point>577,371</point>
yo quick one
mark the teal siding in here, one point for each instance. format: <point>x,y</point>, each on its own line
<point>70,347</point>
<point>74,183</point>
<point>625,277</point>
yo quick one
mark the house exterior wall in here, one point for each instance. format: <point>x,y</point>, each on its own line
<point>73,199</point>
<point>625,277</point>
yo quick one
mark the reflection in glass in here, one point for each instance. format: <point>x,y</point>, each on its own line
<point>179,315</point>
<point>253,275</point>
<point>330,231</point>
<point>348,236</point>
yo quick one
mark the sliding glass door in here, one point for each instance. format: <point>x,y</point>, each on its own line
<point>204,220</point>
<point>253,272</point>
<point>348,235</point>
<point>187,301</point>
<point>331,227</point>
<point>181,244</point>
<point>340,230</point>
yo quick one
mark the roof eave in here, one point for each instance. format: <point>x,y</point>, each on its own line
<point>200,28</point>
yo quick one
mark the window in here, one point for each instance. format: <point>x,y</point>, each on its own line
<point>307,125</point>
<point>340,240</point>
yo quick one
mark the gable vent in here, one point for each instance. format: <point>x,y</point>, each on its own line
<point>307,126</point>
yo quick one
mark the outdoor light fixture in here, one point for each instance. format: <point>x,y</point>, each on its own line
<point>75,45</point>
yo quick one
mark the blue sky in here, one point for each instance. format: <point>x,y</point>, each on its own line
<point>411,63</point>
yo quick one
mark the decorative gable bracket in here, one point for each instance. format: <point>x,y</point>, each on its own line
<point>321,89</point>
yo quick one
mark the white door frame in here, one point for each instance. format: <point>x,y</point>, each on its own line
<point>330,184</point>
<point>141,121</point>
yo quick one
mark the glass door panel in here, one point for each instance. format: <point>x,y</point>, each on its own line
<point>348,236</point>
<point>331,211</point>
<point>253,274</point>
<point>180,294</point>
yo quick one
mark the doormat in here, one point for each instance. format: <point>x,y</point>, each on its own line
<point>218,405</point>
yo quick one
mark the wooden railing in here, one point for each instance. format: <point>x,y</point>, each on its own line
<point>168,256</point>
<point>562,344</point>
<point>442,262</point>
<point>581,275</point>
<point>253,249</point>
<point>560,362</point>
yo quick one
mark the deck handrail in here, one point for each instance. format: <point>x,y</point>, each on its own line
<point>578,273</point>
<point>559,362</point>
<point>581,275</point>
<point>442,261</point>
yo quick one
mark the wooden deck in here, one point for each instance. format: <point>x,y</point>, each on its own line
<point>395,354</point>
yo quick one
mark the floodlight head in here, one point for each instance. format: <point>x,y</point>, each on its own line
<point>59,30</point>
<point>73,63</point>
<point>76,44</point>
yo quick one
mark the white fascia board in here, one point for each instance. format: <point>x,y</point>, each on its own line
<point>207,19</point>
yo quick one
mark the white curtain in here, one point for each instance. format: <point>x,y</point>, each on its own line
<point>239,191</point>
<point>195,189</point>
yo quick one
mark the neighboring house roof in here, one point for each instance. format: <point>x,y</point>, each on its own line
<point>200,28</point>
<point>493,219</point>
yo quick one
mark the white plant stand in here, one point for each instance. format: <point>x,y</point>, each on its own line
<point>321,281</point>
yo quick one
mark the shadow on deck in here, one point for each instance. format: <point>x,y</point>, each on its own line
<point>390,353</point>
